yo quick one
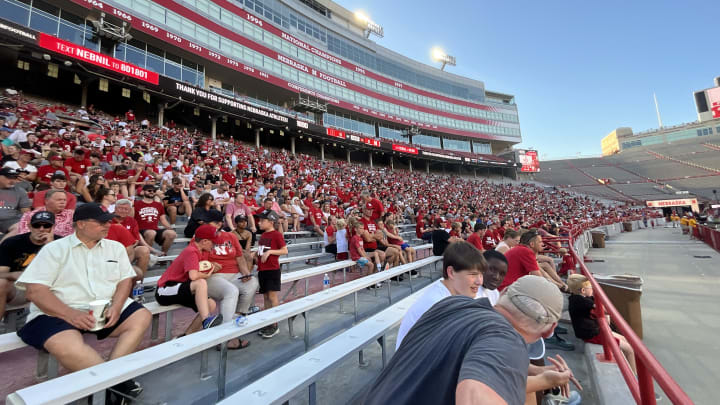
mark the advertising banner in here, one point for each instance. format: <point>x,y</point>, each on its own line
<point>72,50</point>
<point>714,101</point>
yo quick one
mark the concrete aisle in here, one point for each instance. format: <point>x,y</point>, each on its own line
<point>681,321</point>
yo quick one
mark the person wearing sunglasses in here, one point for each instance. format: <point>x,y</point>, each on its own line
<point>18,253</point>
<point>56,203</point>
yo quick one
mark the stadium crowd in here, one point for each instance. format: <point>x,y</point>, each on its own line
<point>77,178</point>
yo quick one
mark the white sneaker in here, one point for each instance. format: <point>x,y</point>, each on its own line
<point>153,260</point>
<point>553,398</point>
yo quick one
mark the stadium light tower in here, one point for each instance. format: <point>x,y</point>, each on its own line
<point>371,27</point>
<point>441,56</point>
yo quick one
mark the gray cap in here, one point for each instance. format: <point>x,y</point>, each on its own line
<point>538,289</point>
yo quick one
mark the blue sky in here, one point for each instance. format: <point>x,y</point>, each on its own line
<point>578,69</point>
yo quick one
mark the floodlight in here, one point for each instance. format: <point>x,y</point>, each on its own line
<point>442,57</point>
<point>371,27</point>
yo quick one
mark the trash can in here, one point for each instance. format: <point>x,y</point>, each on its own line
<point>624,291</point>
<point>627,226</point>
<point>598,239</point>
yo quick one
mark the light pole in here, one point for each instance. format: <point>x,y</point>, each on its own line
<point>441,56</point>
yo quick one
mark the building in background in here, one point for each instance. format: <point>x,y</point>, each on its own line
<point>311,59</point>
<point>708,108</point>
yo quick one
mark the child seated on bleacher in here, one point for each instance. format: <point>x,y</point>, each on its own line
<point>581,305</point>
<point>341,240</point>
<point>358,253</point>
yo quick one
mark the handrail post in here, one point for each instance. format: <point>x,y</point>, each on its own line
<point>222,369</point>
<point>600,315</point>
<point>645,381</point>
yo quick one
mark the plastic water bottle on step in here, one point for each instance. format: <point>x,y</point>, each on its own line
<point>137,292</point>
<point>326,282</point>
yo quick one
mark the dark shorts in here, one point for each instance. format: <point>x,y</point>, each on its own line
<point>380,248</point>
<point>36,332</point>
<point>369,250</point>
<point>269,280</point>
<point>176,293</point>
<point>331,248</point>
<point>159,238</point>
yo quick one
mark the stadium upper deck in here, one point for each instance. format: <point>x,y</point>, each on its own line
<point>308,55</point>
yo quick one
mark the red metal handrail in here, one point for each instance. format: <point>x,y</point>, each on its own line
<point>649,368</point>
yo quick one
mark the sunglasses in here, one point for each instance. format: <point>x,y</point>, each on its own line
<point>43,226</point>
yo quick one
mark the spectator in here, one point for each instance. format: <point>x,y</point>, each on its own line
<point>441,238</point>
<point>360,255</point>
<point>140,253</point>
<point>18,252</point>
<point>59,313</point>
<point>463,269</point>
<point>26,172</point>
<point>46,172</point>
<point>497,266</point>
<point>58,182</point>
<point>376,207</point>
<point>14,202</point>
<point>185,282</point>
<point>581,305</point>
<point>175,201</point>
<point>55,202</point>
<point>511,238</point>
<point>106,197</point>
<point>204,205</point>
<point>271,246</point>
<point>476,238</point>
<point>77,165</point>
<point>462,334</point>
<point>221,196</point>
<point>490,239</point>
<point>341,240</point>
<point>148,213</point>
<point>370,236</point>
<point>279,172</point>
<point>233,284</point>
<point>330,237</point>
<point>244,237</point>
<point>239,208</point>
<point>393,234</point>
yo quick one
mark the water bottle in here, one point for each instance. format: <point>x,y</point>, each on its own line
<point>240,321</point>
<point>326,282</point>
<point>379,267</point>
<point>137,292</point>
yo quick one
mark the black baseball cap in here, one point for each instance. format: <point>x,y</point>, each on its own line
<point>149,187</point>
<point>58,176</point>
<point>91,211</point>
<point>270,215</point>
<point>8,172</point>
<point>43,217</point>
<point>239,218</point>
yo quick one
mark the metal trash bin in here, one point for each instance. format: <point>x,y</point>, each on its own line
<point>598,239</point>
<point>624,291</point>
<point>627,226</point>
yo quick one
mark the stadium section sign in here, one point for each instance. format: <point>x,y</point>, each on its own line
<point>675,203</point>
<point>529,161</point>
<point>404,149</point>
<point>72,50</point>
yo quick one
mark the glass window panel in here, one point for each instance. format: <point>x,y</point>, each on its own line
<point>172,70</point>
<point>157,13</point>
<point>141,6</point>
<point>173,20</point>
<point>189,75</point>
<point>46,7</point>
<point>16,12</point>
<point>155,63</point>
<point>44,23</point>
<point>71,33</point>
<point>135,56</point>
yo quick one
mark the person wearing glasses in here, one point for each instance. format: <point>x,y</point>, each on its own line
<point>55,202</point>
<point>18,252</point>
<point>65,278</point>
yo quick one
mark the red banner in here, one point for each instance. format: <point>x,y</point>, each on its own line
<point>404,149</point>
<point>336,133</point>
<point>98,59</point>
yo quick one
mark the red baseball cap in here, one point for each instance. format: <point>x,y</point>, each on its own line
<point>206,232</point>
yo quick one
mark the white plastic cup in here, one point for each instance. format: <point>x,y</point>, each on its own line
<point>98,308</point>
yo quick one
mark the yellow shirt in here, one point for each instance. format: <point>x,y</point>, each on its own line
<point>683,221</point>
<point>692,222</point>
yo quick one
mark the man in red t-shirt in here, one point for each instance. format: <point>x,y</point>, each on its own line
<point>46,172</point>
<point>489,241</point>
<point>184,283</point>
<point>57,182</point>
<point>476,238</point>
<point>374,204</point>
<point>148,213</point>
<point>77,165</point>
<point>521,259</point>
<point>140,253</point>
<point>270,247</point>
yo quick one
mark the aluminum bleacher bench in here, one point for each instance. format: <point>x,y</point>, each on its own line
<point>287,381</point>
<point>95,380</point>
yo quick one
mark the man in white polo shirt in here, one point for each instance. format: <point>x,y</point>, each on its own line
<point>61,282</point>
